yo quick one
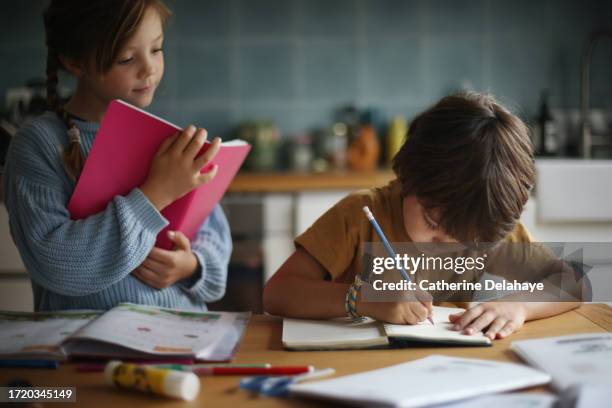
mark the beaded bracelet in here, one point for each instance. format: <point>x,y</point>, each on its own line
<point>350,301</point>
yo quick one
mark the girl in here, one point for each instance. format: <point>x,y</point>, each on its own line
<point>114,49</point>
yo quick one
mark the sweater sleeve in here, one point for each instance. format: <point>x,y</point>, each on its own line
<point>212,247</point>
<point>73,257</point>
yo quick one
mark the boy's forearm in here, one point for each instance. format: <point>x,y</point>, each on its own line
<point>294,296</point>
<point>539,310</point>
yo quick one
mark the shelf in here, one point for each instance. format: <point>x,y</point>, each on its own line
<point>278,182</point>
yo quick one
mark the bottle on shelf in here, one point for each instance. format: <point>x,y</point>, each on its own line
<point>547,140</point>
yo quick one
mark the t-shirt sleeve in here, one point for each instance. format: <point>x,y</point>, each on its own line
<point>333,239</point>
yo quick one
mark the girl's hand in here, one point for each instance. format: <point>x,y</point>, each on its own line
<point>163,268</point>
<point>175,169</point>
<point>500,319</point>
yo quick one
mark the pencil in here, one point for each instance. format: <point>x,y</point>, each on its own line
<point>387,245</point>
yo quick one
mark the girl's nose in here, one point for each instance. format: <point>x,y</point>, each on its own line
<point>148,69</point>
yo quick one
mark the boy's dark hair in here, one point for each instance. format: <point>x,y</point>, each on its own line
<point>470,161</point>
<point>91,31</point>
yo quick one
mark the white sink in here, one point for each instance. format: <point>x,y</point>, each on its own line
<point>574,190</point>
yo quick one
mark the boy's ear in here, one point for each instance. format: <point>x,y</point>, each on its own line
<point>73,66</point>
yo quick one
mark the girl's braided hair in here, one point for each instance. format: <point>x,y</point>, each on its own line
<point>92,32</point>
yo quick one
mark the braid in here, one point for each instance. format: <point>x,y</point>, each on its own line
<point>52,68</point>
<point>73,155</point>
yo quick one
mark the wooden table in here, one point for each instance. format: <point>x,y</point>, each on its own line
<point>262,343</point>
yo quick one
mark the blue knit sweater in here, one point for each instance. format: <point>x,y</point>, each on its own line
<point>86,264</point>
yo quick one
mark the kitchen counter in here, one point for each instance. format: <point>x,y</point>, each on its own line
<point>279,182</point>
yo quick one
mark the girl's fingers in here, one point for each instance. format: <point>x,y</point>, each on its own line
<point>180,240</point>
<point>495,327</point>
<point>196,143</point>
<point>183,139</point>
<point>480,323</point>
<point>137,273</point>
<point>208,155</point>
<point>153,265</point>
<point>161,255</point>
<point>149,277</point>
<point>208,176</point>
<point>166,144</point>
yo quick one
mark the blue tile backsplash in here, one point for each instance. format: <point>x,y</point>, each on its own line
<point>296,61</point>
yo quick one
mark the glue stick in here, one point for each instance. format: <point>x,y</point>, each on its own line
<point>162,381</point>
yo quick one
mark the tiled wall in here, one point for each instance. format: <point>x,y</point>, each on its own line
<point>295,61</point>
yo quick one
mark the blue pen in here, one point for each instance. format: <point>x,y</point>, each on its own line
<point>28,364</point>
<point>279,386</point>
<point>387,245</point>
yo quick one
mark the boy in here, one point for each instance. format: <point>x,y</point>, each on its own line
<point>463,175</point>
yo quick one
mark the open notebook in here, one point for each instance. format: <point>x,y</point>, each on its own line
<point>345,333</point>
<point>126,331</point>
<point>431,380</point>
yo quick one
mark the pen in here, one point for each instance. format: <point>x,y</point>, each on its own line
<point>278,386</point>
<point>28,364</point>
<point>387,245</point>
<point>278,370</point>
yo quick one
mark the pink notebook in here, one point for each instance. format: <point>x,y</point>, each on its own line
<point>119,160</point>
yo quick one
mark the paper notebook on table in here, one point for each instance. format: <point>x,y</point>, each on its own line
<point>345,333</point>
<point>125,331</point>
<point>431,380</point>
<point>508,400</point>
<point>574,359</point>
<point>119,161</point>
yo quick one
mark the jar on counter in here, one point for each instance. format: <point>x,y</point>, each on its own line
<point>264,137</point>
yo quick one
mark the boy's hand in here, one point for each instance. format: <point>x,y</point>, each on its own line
<point>175,169</point>
<point>164,268</point>
<point>395,312</point>
<point>500,319</point>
